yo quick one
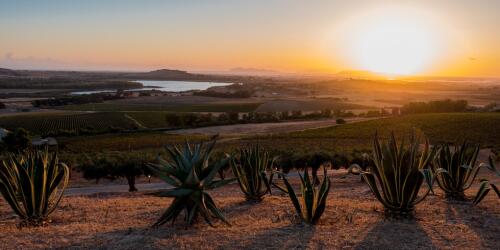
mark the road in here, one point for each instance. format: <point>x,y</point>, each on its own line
<point>265,128</point>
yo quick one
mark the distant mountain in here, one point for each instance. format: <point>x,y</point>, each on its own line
<point>253,71</point>
<point>168,73</point>
<point>161,74</point>
<point>8,72</point>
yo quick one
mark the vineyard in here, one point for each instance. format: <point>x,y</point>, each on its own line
<point>68,124</point>
<point>150,119</point>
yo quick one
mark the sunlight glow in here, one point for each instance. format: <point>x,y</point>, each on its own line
<point>393,41</point>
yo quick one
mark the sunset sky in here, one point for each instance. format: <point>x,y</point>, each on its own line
<point>440,38</point>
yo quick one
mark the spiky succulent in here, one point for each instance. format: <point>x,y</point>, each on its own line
<point>485,185</point>
<point>32,183</point>
<point>189,172</point>
<point>456,169</point>
<point>312,203</point>
<point>398,174</point>
<point>251,168</point>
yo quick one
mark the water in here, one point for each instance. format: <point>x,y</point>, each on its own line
<point>170,86</point>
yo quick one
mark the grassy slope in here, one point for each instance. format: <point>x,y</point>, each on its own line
<point>222,107</point>
<point>482,128</point>
<point>41,123</point>
<point>122,142</point>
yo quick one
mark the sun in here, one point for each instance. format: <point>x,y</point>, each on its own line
<point>392,41</point>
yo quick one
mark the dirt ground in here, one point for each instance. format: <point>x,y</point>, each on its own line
<point>352,220</point>
<point>264,128</point>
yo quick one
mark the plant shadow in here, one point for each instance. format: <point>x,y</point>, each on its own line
<point>292,236</point>
<point>479,219</point>
<point>396,235</point>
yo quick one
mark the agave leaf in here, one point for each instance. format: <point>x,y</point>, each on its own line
<point>293,196</point>
<point>482,192</point>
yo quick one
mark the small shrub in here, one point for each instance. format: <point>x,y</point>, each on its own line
<point>340,121</point>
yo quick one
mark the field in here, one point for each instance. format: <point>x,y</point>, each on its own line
<point>352,220</point>
<point>481,128</point>
<point>46,124</point>
<point>209,107</point>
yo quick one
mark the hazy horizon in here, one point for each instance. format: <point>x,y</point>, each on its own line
<point>415,38</point>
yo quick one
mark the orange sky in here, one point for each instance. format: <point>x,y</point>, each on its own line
<point>461,37</point>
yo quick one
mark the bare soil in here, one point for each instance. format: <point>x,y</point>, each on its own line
<point>264,128</point>
<point>352,220</point>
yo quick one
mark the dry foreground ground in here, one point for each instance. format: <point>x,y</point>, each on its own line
<point>352,220</point>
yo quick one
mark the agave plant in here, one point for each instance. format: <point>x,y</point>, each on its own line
<point>33,183</point>
<point>250,168</point>
<point>456,170</point>
<point>397,175</point>
<point>313,200</point>
<point>485,185</point>
<point>191,174</point>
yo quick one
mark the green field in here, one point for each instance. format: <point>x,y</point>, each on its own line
<point>46,124</point>
<point>216,107</point>
<point>481,128</point>
<point>123,142</point>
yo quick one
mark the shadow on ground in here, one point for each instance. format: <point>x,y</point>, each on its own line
<point>481,219</point>
<point>396,235</point>
<point>295,236</point>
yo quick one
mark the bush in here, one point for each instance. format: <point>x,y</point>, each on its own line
<point>340,121</point>
<point>440,106</point>
<point>17,141</point>
<point>128,165</point>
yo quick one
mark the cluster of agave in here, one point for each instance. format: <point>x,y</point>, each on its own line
<point>33,184</point>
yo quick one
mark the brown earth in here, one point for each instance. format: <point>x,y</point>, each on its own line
<point>352,220</point>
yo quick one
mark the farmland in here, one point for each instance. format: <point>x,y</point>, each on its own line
<point>480,128</point>
<point>47,124</point>
<point>209,107</point>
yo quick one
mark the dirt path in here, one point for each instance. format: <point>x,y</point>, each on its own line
<point>265,128</point>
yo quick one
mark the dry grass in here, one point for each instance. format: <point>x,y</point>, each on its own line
<point>352,220</point>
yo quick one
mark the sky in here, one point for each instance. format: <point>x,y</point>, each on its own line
<point>438,38</point>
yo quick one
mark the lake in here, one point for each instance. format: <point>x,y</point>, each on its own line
<point>169,86</point>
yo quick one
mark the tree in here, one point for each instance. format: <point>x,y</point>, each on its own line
<point>114,165</point>
<point>17,140</point>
